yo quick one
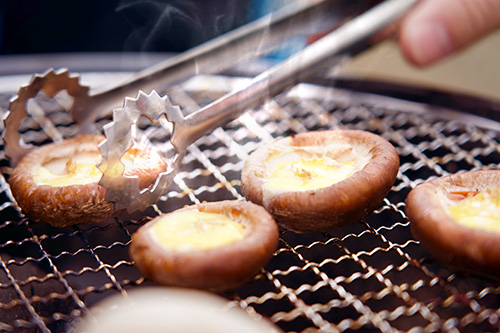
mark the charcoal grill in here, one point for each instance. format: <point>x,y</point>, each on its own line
<point>370,276</point>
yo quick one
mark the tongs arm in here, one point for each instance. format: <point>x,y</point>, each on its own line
<point>249,41</point>
<point>299,67</point>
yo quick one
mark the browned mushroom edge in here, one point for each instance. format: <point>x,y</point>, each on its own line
<point>342,203</point>
<point>215,269</point>
<point>63,206</point>
<point>462,248</point>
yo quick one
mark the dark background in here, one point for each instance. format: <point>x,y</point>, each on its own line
<point>55,26</point>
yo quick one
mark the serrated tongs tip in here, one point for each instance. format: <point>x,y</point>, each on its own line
<point>50,82</point>
<point>121,189</point>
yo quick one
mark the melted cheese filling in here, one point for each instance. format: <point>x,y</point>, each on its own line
<point>312,167</point>
<point>308,174</point>
<point>479,211</point>
<point>77,170</point>
<point>81,168</point>
<point>194,230</point>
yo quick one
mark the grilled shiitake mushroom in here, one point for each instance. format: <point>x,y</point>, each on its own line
<point>169,309</point>
<point>58,182</point>
<point>214,246</point>
<point>457,219</point>
<point>321,180</point>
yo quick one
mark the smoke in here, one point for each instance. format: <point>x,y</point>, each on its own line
<point>176,25</point>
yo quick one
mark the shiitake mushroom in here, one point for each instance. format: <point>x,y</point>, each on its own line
<point>58,183</point>
<point>457,219</point>
<point>169,309</point>
<point>316,181</point>
<point>212,245</point>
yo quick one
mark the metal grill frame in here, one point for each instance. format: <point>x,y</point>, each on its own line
<point>370,276</point>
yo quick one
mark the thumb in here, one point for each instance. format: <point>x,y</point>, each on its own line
<point>435,29</point>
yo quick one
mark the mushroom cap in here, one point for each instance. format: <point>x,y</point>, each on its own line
<point>342,203</point>
<point>170,309</point>
<point>63,206</point>
<point>215,269</point>
<point>459,247</point>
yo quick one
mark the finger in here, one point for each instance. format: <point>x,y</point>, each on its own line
<point>438,28</point>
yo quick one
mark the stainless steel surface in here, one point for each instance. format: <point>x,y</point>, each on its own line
<point>370,276</point>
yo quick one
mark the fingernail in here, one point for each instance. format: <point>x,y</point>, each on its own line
<point>429,42</point>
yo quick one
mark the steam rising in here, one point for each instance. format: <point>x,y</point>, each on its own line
<point>176,25</point>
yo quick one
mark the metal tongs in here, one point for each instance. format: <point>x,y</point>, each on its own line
<point>125,191</point>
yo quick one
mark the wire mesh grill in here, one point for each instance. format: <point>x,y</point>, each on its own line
<point>370,276</point>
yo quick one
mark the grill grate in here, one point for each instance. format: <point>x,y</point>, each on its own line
<point>371,275</point>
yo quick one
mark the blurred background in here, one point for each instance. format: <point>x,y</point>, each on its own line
<point>54,26</point>
<point>41,33</point>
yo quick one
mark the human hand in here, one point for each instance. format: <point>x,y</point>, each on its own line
<point>435,29</point>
